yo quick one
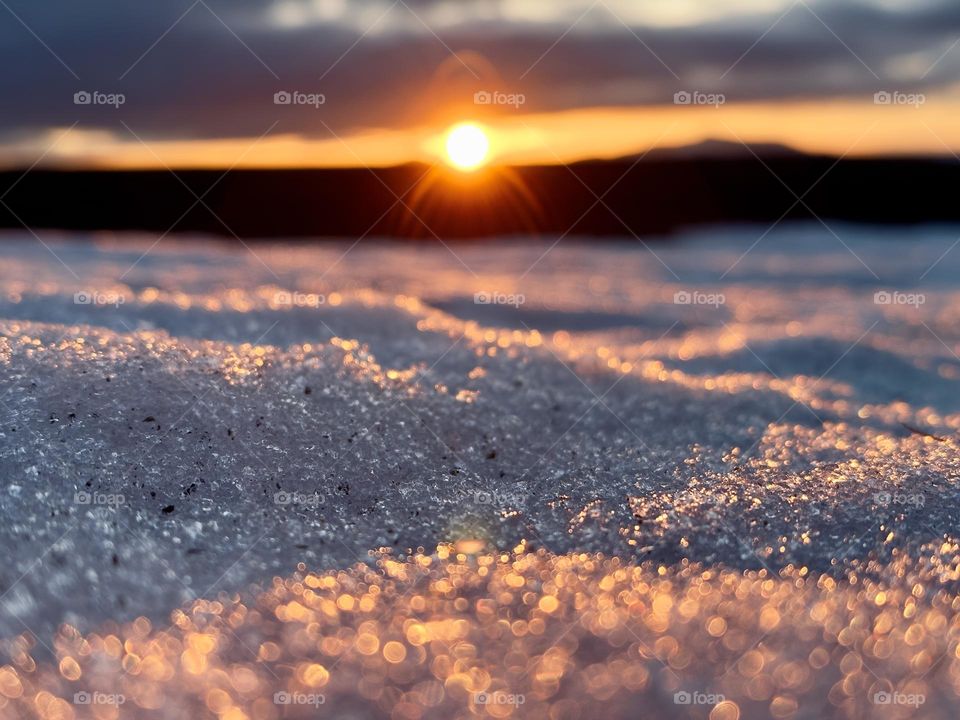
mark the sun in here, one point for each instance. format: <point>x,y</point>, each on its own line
<point>467,146</point>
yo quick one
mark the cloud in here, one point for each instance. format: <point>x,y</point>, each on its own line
<point>210,69</point>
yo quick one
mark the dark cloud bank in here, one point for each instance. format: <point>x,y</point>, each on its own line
<point>215,73</point>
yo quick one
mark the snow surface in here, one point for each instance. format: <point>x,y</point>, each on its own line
<point>220,413</point>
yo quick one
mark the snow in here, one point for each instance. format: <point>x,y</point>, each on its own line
<point>218,414</point>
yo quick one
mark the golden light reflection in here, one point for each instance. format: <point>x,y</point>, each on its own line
<point>517,634</point>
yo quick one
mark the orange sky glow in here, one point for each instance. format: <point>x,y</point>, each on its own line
<point>835,128</point>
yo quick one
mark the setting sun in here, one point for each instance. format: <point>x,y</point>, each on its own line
<point>467,146</point>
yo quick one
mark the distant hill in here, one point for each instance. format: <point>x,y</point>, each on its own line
<point>711,182</point>
<point>713,149</point>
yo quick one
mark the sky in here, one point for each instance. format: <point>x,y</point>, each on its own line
<point>203,83</point>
